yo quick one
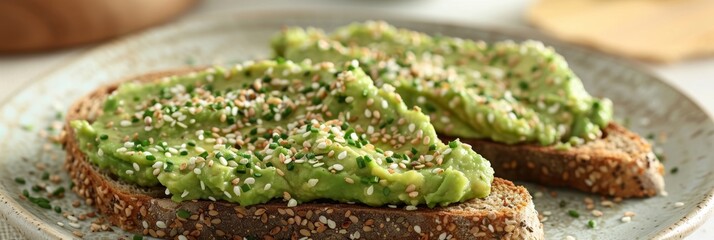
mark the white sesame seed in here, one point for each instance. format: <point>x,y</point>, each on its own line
<point>167,192</point>
<point>349,99</point>
<point>72,218</point>
<point>626,219</point>
<point>236,190</point>
<point>367,113</point>
<point>338,167</point>
<point>342,155</point>
<point>678,204</point>
<point>129,172</point>
<point>121,149</point>
<point>184,194</point>
<point>197,171</point>
<point>182,237</point>
<point>321,145</point>
<point>417,229</point>
<point>292,202</point>
<point>145,224</point>
<point>410,208</point>
<point>249,180</point>
<point>312,182</point>
<point>569,237</point>
<point>442,236</point>
<point>125,123</point>
<point>446,152</point>
<point>412,127</point>
<point>267,187</point>
<point>100,152</point>
<point>74,225</point>
<point>160,224</point>
<point>203,185</point>
<point>385,105</point>
<point>60,224</point>
<point>211,198</point>
<point>331,224</point>
<point>370,190</point>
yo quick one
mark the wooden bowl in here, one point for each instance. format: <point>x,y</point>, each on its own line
<point>33,25</point>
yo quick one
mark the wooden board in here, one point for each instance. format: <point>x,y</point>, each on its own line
<point>31,25</point>
<point>653,30</point>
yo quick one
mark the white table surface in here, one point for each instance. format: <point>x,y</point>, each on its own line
<point>695,78</point>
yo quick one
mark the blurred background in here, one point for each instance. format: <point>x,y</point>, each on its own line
<point>672,38</point>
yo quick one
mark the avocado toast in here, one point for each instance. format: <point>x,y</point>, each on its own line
<point>518,104</point>
<point>217,154</point>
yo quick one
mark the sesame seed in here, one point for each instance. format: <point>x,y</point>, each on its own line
<point>412,127</point>
<point>292,202</point>
<point>385,105</point>
<point>370,190</point>
<point>338,167</point>
<point>417,229</point>
<point>129,172</point>
<point>249,180</point>
<point>236,190</point>
<point>74,225</point>
<point>349,99</point>
<point>626,219</point>
<point>197,171</point>
<point>312,182</point>
<point>410,208</point>
<point>678,204</point>
<point>342,155</point>
<point>182,237</point>
<point>267,187</point>
<point>322,145</point>
<point>125,123</point>
<point>184,194</point>
<point>160,224</point>
<point>100,152</point>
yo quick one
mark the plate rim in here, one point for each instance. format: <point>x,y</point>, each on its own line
<point>26,223</point>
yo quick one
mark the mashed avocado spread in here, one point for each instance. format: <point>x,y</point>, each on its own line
<point>507,92</point>
<point>266,130</point>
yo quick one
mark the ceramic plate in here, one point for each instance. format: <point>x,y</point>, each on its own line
<point>649,105</point>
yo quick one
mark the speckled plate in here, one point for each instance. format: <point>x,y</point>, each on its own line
<point>650,105</point>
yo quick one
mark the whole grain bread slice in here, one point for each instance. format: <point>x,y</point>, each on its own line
<point>507,213</point>
<point>620,164</point>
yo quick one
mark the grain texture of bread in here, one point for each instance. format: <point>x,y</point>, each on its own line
<point>507,213</point>
<point>620,164</point>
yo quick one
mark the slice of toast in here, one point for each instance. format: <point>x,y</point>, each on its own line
<point>620,164</point>
<point>507,213</point>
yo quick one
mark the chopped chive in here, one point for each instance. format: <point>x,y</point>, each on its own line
<point>374,179</point>
<point>20,180</point>
<point>183,214</point>
<point>58,209</point>
<point>203,154</point>
<point>432,147</point>
<point>240,169</point>
<point>245,187</point>
<point>386,191</point>
<point>45,176</point>
<point>360,162</point>
<point>104,137</point>
<point>452,144</point>
<point>290,166</point>
<point>389,159</point>
<point>36,188</point>
<point>592,224</point>
<point>573,213</point>
<point>562,203</point>
<point>674,170</point>
<point>58,191</point>
<point>257,174</point>
<point>150,157</point>
<point>183,153</point>
<point>192,143</point>
<point>273,145</point>
<point>139,237</point>
<point>414,151</point>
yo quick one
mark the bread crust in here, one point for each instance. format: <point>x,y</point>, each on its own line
<point>621,164</point>
<point>507,213</point>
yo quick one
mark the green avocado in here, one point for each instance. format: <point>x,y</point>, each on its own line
<point>278,129</point>
<point>506,92</point>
